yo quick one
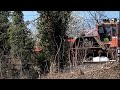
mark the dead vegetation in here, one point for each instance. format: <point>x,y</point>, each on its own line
<point>109,70</point>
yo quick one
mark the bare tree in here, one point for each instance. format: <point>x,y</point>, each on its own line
<point>79,23</point>
<point>96,16</point>
<point>75,25</point>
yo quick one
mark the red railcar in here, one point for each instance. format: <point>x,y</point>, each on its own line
<point>103,43</point>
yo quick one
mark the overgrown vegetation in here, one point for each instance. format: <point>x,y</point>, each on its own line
<point>4,47</point>
<point>21,45</point>
<point>52,28</point>
<point>19,60</point>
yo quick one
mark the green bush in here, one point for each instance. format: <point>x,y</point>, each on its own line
<point>41,57</point>
<point>43,64</point>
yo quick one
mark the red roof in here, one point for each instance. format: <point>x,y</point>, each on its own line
<point>37,49</point>
<point>71,40</point>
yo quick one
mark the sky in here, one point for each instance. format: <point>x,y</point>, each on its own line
<point>113,14</point>
<point>109,14</point>
<point>28,16</point>
<point>32,15</point>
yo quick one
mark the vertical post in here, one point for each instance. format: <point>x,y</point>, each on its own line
<point>118,48</point>
<point>119,36</point>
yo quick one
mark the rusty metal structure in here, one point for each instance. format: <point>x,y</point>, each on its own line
<point>103,41</point>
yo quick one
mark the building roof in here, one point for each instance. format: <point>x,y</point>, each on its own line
<point>37,49</point>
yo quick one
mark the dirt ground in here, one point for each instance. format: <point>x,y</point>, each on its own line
<point>109,70</point>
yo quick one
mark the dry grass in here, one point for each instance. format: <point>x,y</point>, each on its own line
<point>93,71</point>
<point>68,75</point>
<point>105,73</point>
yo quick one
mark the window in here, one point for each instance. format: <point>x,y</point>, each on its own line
<point>105,32</point>
<point>114,30</point>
